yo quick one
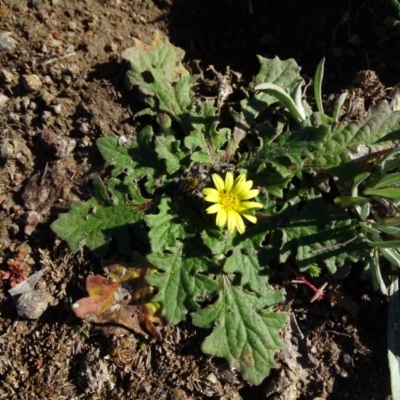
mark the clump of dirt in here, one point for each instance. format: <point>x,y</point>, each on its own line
<point>61,88</point>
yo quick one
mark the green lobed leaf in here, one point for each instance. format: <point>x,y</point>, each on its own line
<point>168,149</point>
<point>319,232</point>
<point>245,330</point>
<point>136,160</point>
<point>250,264</point>
<point>284,74</point>
<point>182,283</point>
<point>159,74</point>
<point>205,136</point>
<point>168,226</point>
<point>95,222</point>
<point>200,157</point>
<point>330,147</point>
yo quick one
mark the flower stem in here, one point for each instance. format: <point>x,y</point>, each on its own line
<point>319,292</point>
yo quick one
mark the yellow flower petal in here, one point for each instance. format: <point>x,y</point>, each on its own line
<point>228,182</point>
<point>221,218</point>
<point>240,224</point>
<point>248,194</point>
<point>249,205</point>
<point>213,209</point>
<point>212,195</point>
<point>249,217</point>
<point>218,182</point>
<point>239,184</point>
<point>231,223</point>
<point>244,185</point>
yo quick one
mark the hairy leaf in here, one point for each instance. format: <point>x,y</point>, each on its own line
<point>168,149</point>
<point>159,74</point>
<point>245,330</point>
<point>182,283</point>
<point>318,232</point>
<point>250,264</point>
<point>95,222</point>
<point>135,160</point>
<point>329,147</point>
<point>205,135</point>
<point>168,226</point>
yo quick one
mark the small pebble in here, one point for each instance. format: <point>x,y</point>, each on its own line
<point>31,82</point>
<point>8,149</point>
<point>84,128</point>
<point>64,148</point>
<point>32,305</point>
<point>47,80</point>
<point>26,119</point>
<point>8,76</point>
<point>3,100</point>
<point>32,218</point>
<point>47,97</point>
<point>212,378</point>
<point>93,374</point>
<point>6,41</point>
<point>25,103</point>
<point>57,109</point>
<point>46,115</point>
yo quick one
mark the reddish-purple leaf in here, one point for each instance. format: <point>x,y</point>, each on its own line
<point>101,296</point>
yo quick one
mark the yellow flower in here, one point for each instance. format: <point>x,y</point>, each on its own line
<point>229,198</point>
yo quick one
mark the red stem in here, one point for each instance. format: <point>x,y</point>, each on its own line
<point>307,283</point>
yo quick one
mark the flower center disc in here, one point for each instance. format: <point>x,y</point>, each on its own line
<point>229,201</point>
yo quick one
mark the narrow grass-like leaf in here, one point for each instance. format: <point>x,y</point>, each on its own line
<point>284,98</point>
<point>296,95</point>
<point>388,180</point>
<point>338,106</point>
<point>388,244</point>
<point>394,221</point>
<point>390,193</point>
<point>391,153</point>
<point>390,230</point>
<point>393,337</point>
<point>392,255</point>
<point>349,201</point>
<point>376,275</point>
<point>319,74</point>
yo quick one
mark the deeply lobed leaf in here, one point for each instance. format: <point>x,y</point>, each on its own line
<point>245,330</point>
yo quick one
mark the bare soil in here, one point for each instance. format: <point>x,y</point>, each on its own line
<point>63,79</point>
